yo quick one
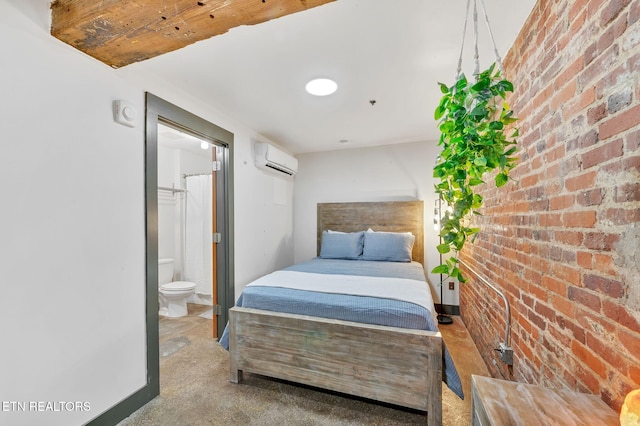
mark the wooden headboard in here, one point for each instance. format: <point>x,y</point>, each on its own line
<point>392,216</point>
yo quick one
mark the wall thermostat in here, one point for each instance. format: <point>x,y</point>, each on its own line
<point>124,113</point>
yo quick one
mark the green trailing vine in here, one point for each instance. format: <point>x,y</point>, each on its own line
<point>474,120</point>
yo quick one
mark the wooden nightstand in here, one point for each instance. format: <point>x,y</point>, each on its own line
<point>504,403</point>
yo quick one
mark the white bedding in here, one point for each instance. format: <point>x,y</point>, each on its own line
<point>405,290</point>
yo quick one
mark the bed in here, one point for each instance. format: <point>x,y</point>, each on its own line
<point>332,323</point>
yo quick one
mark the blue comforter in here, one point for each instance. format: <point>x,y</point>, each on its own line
<point>370,310</point>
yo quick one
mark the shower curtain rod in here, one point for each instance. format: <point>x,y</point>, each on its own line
<point>173,190</point>
<point>195,174</point>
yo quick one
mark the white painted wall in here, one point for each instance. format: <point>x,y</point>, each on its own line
<point>263,210</point>
<point>383,173</point>
<point>72,222</point>
<point>72,226</point>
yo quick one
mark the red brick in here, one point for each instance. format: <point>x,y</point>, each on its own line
<point>608,353</point>
<point>584,259</point>
<point>582,219</point>
<point>611,11</point>
<point>600,241</point>
<point>619,100</point>
<point>546,312</point>
<point>604,263</point>
<point>580,103</point>
<point>586,355</point>
<point>563,305</point>
<point>537,320</point>
<point>634,374</point>
<point>525,224</point>
<point>619,123</point>
<point>582,181</point>
<point>603,153</point>
<point>530,138</point>
<point>632,144</point>
<point>532,275</point>
<point>569,72</point>
<point>566,273</point>
<point>596,113</point>
<point>555,154</point>
<point>572,238</point>
<point>631,341</point>
<point>542,97</point>
<point>549,219</point>
<point>621,316</point>
<point>591,197</point>
<point>606,286</point>
<point>553,187</point>
<point>553,70</point>
<point>588,379</point>
<point>615,77</point>
<point>577,330</point>
<point>606,39</point>
<point>564,95</point>
<point>561,202</point>
<point>620,26</point>
<point>595,323</point>
<point>536,163</point>
<point>526,351</point>
<point>634,13</point>
<point>622,216</point>
<point>569,165</point>
<point>627,192</point>
<point>585,298</point>
<point>530,180</point>
<point>600,66</point>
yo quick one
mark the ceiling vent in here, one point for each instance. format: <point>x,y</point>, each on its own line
<point>268,157</point>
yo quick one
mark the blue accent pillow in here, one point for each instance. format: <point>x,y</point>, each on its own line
<point>338,245</point>
<point>388,246</point>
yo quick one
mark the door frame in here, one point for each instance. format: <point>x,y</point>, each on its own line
<point>161,111</point>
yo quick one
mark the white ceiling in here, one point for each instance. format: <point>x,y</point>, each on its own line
<point>391,51</point>
<point>175,139</point>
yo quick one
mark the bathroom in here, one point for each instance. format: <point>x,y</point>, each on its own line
<point>184,223</point>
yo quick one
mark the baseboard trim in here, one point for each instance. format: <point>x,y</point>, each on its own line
<point>125,408</point>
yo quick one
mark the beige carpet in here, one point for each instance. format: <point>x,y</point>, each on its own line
<point>195,388</point>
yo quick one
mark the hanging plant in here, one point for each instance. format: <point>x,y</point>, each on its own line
<point>474,122</point>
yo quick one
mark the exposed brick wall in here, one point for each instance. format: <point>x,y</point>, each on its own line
<point>563,238</point>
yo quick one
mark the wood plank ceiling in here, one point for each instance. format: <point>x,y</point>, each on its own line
<point>121,32</point>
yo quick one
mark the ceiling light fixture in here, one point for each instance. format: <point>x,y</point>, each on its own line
<point>204,145</point>
<point>321,87</point>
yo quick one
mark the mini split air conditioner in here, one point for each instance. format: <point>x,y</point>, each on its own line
<point>268,157</point>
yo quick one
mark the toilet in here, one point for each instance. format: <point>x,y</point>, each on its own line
<point>173,294</point>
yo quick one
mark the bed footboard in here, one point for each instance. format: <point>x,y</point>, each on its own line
<point>393,365</point>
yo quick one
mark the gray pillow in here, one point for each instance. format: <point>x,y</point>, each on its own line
<point>341,245</point>
<point>388,246</point>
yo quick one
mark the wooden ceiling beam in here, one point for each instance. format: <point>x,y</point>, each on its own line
<point>121,32</point>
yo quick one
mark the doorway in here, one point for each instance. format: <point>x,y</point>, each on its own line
<point>187,222</point>
<point>162,114</point>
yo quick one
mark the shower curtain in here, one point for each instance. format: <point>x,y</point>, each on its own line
<point>198,233</point>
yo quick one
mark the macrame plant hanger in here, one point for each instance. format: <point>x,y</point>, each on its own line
<point>475,38</point>
<point>442,317</point>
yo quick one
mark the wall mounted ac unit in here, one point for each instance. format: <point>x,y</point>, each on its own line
<point>268,157</point>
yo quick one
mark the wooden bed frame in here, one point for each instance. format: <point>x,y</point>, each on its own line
<point>388,364</point>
